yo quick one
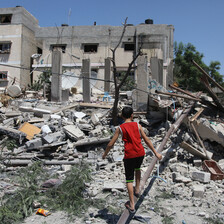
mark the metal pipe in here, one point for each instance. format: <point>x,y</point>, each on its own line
<point>182,91</point>
<point>178,95</point>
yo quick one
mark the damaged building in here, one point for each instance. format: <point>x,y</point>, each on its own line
<point>26,45</point>
<point>187,128</point>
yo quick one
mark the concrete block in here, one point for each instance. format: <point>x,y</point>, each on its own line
<point>33,144</point>
<point>96,132</point>
<point>74,132</point>
<point>66,167</point>
<point>179,178</point>
<point>179,168</point>
<point>203,177</point>
<point>45,129</point>
<point>57,136</point>
<point>48,139</point>
<point>109,185</point>
<point>55,116</point>
<point>198,191</point>
<point>8,122</point>
<point>95,119</point>
<point>197,162</point>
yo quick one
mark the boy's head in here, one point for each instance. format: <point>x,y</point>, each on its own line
<point>127,112</point>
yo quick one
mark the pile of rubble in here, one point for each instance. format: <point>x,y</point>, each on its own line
<point>61,135</point>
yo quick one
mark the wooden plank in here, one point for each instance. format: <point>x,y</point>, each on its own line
<point>125,215</point>
<point>197,114</point>
<point>192,150</point>
<point>103,106</point>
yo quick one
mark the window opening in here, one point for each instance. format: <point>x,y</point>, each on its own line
<point>90,48</point>
<point>5,18</point>
<point>129,47</point>
<point>3,75</point>
<point>59,47</point>
<point>5,48</point>
<point>39,50</point>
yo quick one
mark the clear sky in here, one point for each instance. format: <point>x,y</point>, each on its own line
<point>200,22</point>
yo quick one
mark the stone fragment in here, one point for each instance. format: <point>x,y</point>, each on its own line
<point>109,185</point>
<point>203,177</point>
<point>12,133</point>
<point>197,162</point>
<point>94,118</point>
<point>14,90</point>
<point>51,183</point>
<point>48,139</point>
<point>179,168</point>
<point>179,178</point>
<point>66,167</point>
<point>33,144</point>
<point>198,191</point>
<point>98,132</point>
<point>74,132</point>
<point>45,129</point>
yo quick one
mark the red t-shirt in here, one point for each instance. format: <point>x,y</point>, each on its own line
<point>132,140</point>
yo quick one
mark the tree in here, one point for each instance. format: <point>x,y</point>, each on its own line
<point>186,74</point>
<point>117,84</point>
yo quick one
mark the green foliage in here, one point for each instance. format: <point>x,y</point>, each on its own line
<point>168,220</point>
<point>43,79</point>
<point>186,74</point>
<point>165,195</point>
<point>16,207</point>
<point>129,83</point>
<point>69,196</point>
<point>10,143</point>
<point>214,221</point>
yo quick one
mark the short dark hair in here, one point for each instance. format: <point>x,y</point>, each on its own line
<point>127,112</point>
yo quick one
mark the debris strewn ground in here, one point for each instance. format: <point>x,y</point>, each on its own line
<point>61,135</point>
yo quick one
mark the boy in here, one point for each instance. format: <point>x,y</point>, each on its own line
<point>133,153</point>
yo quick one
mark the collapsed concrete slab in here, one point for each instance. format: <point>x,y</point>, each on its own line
<point>13,133</point>
<point>73,132</point>
<point>210,131</point>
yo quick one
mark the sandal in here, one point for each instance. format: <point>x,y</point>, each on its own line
<point>127,205</point>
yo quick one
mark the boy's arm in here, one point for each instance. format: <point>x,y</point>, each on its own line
<point>111,143</point>
<point>149,143</point>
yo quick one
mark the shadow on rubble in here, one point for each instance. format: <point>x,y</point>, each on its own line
<point>141,199</point>
<point>109,218</point>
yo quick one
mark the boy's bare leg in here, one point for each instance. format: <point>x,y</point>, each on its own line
<point>131,195</point>
<point>137,180</point>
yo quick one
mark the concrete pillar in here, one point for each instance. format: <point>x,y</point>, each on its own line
<point>142,83</point>
<point>169,76</point>
<point>107,74</point>
<point>156,66</point>
<point>86,72</point>
<point>56,89</point>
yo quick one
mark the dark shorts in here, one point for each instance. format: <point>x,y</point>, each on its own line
<point>130,165</point>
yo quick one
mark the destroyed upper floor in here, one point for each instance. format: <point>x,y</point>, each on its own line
<point>26,44</point>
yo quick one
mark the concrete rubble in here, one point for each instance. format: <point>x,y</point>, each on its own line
<point>67,135</point>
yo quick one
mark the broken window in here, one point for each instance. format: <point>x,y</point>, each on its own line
<point>5,18</point>
<point>39,50</point>
<point>60,47</point>
<point>3,75</point>
<point>90,48</point>
<point>129,46</point>
<point>5,47</point>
